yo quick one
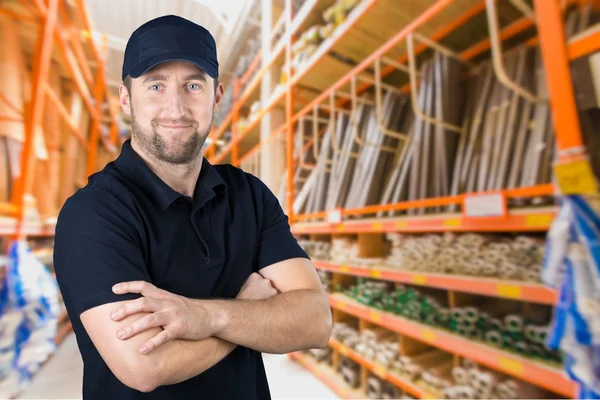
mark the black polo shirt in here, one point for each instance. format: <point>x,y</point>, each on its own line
<point>127,224</point>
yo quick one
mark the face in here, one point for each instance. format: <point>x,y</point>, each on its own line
<point>171,108</point>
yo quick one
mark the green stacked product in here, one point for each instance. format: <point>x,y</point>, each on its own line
<point>512,333</point>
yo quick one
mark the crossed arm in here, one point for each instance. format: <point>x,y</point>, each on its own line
<point>184,337</point>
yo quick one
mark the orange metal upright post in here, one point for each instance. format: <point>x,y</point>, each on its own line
<point>289,111</point>
<point>573,171</point>
<point>34,111</point>
<point>558,77</point>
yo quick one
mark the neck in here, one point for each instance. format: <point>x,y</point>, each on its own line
<point>180,177</point>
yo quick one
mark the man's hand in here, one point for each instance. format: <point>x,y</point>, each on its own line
<point>256,288</point>
<point>175,314</point>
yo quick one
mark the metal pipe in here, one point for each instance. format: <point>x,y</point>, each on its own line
<point>379,117</point>
<point>497,57</point>
<point>524,8</point>
<point>315,125</point>
<point>395,64</point>
<point>354,123</point>
<point>440,49</point>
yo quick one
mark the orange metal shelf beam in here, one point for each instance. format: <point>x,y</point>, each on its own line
<point>533,191</point>
<point>530,222</point>
<point>515,290</point>
<point>585,44</point>
<point>327,376</point>
<point>8,209</point>
<point>536,373</point>
<point>512,30</point>
<point>376,369</point>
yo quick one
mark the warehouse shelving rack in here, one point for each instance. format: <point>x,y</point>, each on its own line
<point>64,35</point>
<point>69,32</point>
<point>573,175</point>
<point>556,59</point>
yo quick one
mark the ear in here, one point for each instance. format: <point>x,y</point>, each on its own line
<point>124,99</point>
<point>218,96</point>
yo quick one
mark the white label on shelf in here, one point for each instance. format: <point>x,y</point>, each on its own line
<point>334,216</point>
<point>484,205</point>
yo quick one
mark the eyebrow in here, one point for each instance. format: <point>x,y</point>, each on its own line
<point>196,77</point>
<point>163,77</point>
<point>154,78</point>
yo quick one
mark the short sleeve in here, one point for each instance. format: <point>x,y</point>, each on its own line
<point>276,242</point>
<point>95,247</point>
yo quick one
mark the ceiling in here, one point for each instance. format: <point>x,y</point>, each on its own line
<point>117,19</point>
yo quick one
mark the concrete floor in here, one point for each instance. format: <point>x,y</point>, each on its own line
<point>62,375</point>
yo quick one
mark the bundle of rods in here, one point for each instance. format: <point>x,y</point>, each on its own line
<point>376,345</point>
<point>497,323</point>
<point>430,368</point>
<point>350,371</point>
<point>326,280</point>
<point>353,157</point>
<point>316,249</point>
<point>322,355</point>
<point>474,382</point>
<point>377,388</point>
<point>485,255</point>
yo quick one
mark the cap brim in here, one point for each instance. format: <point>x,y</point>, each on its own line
<point>145,65</point>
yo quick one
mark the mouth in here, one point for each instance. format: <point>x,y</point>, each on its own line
<point>175,126</point>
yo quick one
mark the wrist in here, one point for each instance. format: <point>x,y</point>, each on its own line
<point>215,315</point>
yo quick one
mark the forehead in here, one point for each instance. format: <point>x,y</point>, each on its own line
<point>174,68</point>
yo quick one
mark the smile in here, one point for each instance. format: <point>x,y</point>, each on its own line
<point>175,126</point>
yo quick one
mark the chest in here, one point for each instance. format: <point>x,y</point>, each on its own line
<point>208,252</point>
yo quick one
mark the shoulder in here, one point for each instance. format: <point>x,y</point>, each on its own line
<point>101,202</point>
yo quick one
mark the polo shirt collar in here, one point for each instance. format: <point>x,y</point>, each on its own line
<point>162,194</point>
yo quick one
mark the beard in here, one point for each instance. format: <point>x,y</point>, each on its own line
<point>176,152</point>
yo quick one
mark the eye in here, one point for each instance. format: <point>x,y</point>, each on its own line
<point>193,86</point>
<point>154,87</point>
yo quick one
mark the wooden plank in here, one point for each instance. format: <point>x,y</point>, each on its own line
<point>12,66</point>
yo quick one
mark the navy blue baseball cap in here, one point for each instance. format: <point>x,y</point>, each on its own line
<point>170,38</point>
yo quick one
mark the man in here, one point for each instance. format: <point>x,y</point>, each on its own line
<point>177,274</point>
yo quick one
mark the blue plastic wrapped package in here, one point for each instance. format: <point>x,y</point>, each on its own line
<point>29,318</point>
<point>572,265</point>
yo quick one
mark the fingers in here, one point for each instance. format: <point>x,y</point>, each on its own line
<point>145,288</point>
<point>143,304</point>
<point>149,321</point>
<point>155,342</point>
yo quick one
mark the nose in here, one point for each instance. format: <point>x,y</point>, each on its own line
<point>174,107</point>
